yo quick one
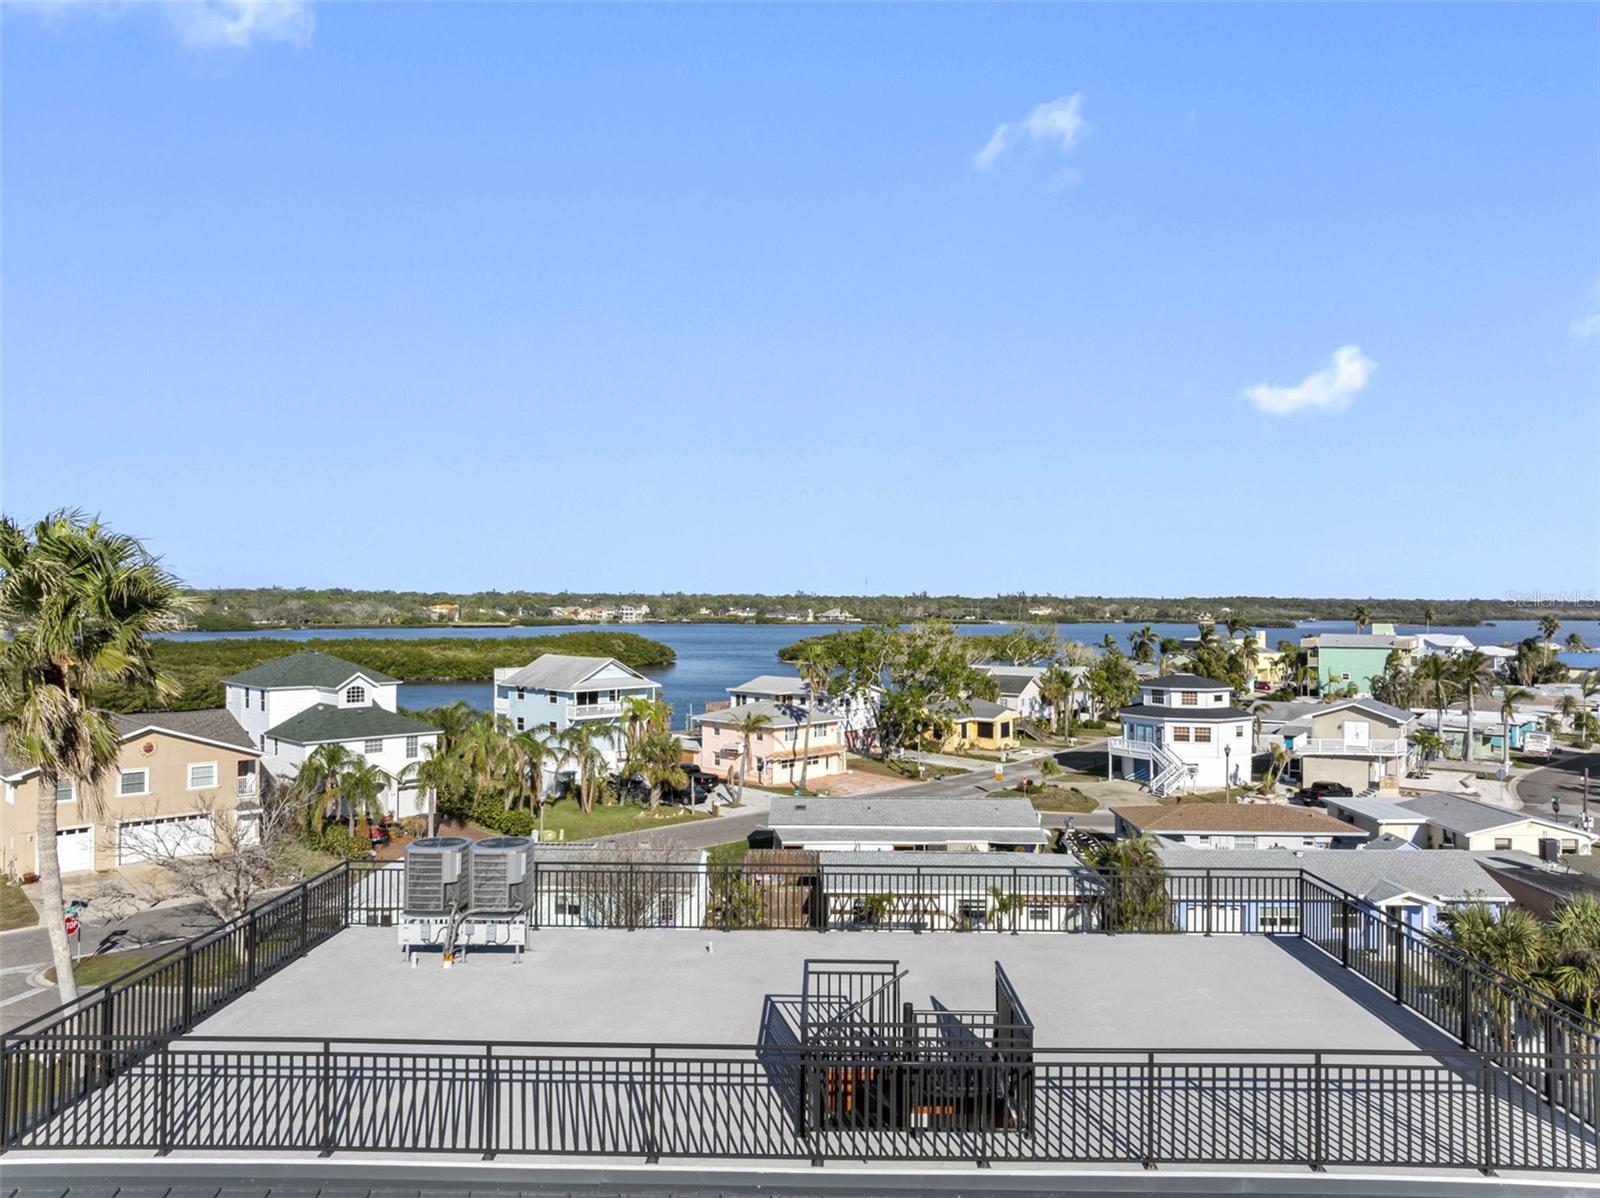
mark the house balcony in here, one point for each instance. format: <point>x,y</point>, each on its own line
<point>245,786</point>
<point>594,711</point>
<point>1123,746</point>
<point>1329,747</point>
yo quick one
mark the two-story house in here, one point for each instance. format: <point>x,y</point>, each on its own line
<point>557,690</point>
<point>1183,734</point>
<point>857,714</point>
<point>794,740</point>
<point>1360,743</point>
<point>292,705</point>
<point>185,783</point>
<point>1353,659</point>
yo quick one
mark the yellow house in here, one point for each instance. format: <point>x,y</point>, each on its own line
<point>982,725</point>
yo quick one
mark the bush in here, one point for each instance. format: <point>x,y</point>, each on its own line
<point>488,813</point>
<point>341,842</point>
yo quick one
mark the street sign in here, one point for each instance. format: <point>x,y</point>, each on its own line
<point>72,925</point>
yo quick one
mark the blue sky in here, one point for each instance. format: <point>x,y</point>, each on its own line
<point>1168,300</point>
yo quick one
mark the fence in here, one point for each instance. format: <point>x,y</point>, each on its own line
<point>1383,1109</point>
<point>67,1078</point>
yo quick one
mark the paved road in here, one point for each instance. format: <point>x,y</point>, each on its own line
<point>1563,778</point>
<point>25,954</point>
<point>701,834</point>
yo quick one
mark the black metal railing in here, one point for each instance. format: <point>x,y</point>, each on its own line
<point>1454,1109</point>
<point>60,1070</point>
<point>134,1014</point>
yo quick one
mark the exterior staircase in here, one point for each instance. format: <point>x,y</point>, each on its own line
<point>1167,769</point>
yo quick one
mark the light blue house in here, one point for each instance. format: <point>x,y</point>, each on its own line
<point>1413,887</point>
<point>556,691</point>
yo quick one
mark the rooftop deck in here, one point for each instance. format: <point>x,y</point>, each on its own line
<point>666,986</point>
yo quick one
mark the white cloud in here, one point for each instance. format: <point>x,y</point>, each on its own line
<point>201,24</point>
<point>238,24</point>
<point>1330,389</point>
<point>1059,121</point>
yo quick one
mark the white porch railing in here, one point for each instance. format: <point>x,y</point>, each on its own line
<point>1167,769</point>
<point>1328,747</point>
<point>593,711</point>
<point>245,786</point>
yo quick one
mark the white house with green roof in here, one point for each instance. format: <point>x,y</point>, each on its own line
<point>291,705</point>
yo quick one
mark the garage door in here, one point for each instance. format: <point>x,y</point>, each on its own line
<point>75,847</point>
<point>175,836</point>
<point>1225,917</point>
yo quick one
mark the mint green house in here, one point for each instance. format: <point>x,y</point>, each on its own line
<point>1343,658</point>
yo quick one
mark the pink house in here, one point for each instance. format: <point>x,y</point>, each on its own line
<point>779,749</point>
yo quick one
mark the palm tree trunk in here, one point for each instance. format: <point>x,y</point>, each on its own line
<point>52,907</point>
<point>1466,741</point>
<point>805,761</point>
<point>433,812</point>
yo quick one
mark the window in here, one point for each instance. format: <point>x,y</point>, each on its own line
<point>1038,914</point>
<point>373,746</point>
<point>521,693</point>
<point>1279,919</point>
<point>355,694</point>
<point>1180,733</point>
<point>412,744</point>
<point>1502,842</point>
<point>247,698</point>
<point>1191,698</point>
<point>134,782</point>
<point>64,791</point>
<point>203,775</point>
<point>552,698</point>
<point>1238,730</point>
<point>985,730</point>
<point>1202,735</point>
<point>1569,846</point>
<point>1158,697</point>
<point>519,723</point>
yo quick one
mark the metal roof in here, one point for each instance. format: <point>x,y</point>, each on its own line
<point>1446,875</point>
<point>563,672</point>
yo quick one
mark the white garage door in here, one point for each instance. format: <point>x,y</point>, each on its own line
<point>175,836</point>
<point>75,847</point>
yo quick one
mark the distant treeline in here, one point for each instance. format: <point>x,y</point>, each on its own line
<point>244,609</point>
<point>198,667</point>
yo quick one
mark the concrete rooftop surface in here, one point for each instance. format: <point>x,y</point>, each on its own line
<point>665,986</point>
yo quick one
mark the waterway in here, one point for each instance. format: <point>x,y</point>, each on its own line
<point>713,657</point>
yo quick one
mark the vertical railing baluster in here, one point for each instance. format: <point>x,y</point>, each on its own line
<point>327,1137</point>
<point>1150,1111</point>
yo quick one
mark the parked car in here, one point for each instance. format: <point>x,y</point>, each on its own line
<point>379,834</point>
<point>1318,791</point>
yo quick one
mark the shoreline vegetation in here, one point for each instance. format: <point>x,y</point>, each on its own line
<point>267,608</point>
<point>198,667</point>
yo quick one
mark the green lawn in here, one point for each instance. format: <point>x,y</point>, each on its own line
<point>731,853</point>
<point>566,819</point>
<point>15,909</point>
<point>1052,798</point>
<point>97,971</point>
<point>905,768</point>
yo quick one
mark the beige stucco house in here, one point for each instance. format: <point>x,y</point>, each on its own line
<point>1446,821</point>
<point>180,777</point>
<point>1358,742</point>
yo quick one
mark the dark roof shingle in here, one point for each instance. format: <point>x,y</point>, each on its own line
<point>325,722</point>
<point>309,667</point>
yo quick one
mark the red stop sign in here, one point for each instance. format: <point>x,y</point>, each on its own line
<point>72,925</point>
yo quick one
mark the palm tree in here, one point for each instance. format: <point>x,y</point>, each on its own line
<point>1427,618</point>
<point>641,715</point>
<point>1576,643</point>
<point>1574,936</point>
<point>747,725</point>
<point>1510,696</point>
<point>814,667</point>
<point>1143,642</point>
<point>1362,617</point>
<point>658,760</point>
<point>1549,626</point>
<point>1434,672</point>
<point>78,603</point>
<point>361,788</point>
<point>1428,743</point>
<point>1569,707</point>
<point>580,746</point>
<point>1473,672</point>
<point>1511,942</point>
<point>432,774</point>
<point>1281,757</point>
<point>1170,646</point>
<point>317,782</point>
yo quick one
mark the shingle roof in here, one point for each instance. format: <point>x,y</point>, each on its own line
<point>981,709</point>
<point>325,722</point>
<point>1015,684</point>
<point>1187,714</point>
<point>1234,817</point>
<point>1186,682</point>
<point>211,723</point>
<point>309,667</point>
<point>1466,816</point>
<point>562,672</point>
<point>1447,875</point>
<point>781,715</point>
<point>1365,640</point>
<point>770,684</point>
<point>1398,715</point>
<point>1009,821</point>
